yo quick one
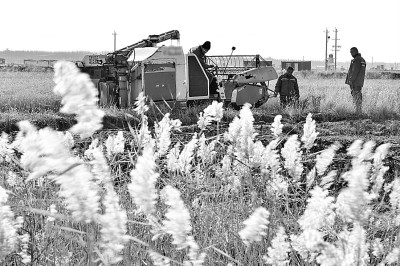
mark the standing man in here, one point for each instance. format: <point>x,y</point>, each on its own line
<point>355,78</point>
<point>287,88</point>
<point>200,51</point>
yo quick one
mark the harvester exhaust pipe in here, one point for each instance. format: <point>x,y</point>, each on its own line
<point>233,49</point>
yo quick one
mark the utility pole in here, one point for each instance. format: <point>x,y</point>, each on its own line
<point>115,40</point>
<point>336,47</point>
<point>326,48</point>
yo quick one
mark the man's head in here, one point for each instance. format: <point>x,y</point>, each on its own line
<point>289,70</point>
<point>206,46</point>
<point>354,51</point>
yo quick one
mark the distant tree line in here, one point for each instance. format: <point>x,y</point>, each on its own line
<point>18,57</point>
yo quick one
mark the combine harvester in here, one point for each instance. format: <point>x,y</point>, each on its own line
<point>165,73</point>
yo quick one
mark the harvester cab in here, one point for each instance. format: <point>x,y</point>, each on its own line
<point>166,74</point>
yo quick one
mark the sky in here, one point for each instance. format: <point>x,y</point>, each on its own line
<point>287,29</point>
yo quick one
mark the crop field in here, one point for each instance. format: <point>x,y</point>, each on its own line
<point>311,185</point>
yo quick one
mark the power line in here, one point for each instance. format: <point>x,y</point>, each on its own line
<point>336,47</point>
<point>326,48</point>
<point>115,40</point>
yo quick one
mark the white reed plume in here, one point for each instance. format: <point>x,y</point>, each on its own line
<point>255,226</point>
<point>68,139</point>
<point>298,244</point>
<point>317,218</point>
<point>143,178</point>
<point>141,106</point>
<point>326,181</point>
<point>291,153</point>
<point>115,144</point>
<point>355,148</point>
<point>241,133</point>
<point>6,151</point>
<point>113,220</point>
<point>395,199</point>
<point>278,185</point>
<point>352,202</point>
<point>163,133</point>
<point>380,154</point>
<point>393,256</point>
<point>14,180</point>
<point>278,252</point>
<point>311,177</point>
<point>226,168</point>
<point>309,134</point>
<point>355,246</point>
<point>214,111</point>
<point>247,132</point>
<point>308,242</point>
<point>366,153</point>
<point>79,96</point>
<point>324,159</point>
<point>256,155</point>
<point>24,244</point>
<point>187,155</point>
<point>113,227</point>
<point>379,169</point>
<point>276,126</point>
<point>206,152</point>
<point>361,152</point>
<point>330,255</point>
<point>8,227</point>
<point>52,210</point>
<point>377,247</point>
<point>172,157</point>
<point>44,153</point>
<point>177,221</point>
<point>234,130</point>
<point>144,136</point>
<point>195,257</point>
<point>319,211</point>
<point>158,259</point>
<point>204,121</point>
<point>271,159</point>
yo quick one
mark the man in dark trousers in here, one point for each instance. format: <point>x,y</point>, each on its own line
<point>287,88</point>
<point>355,78</point>
<point>200,51</point>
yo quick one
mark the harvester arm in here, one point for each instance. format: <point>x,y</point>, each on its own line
<point>149,42</point>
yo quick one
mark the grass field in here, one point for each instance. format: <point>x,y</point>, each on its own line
<point>29,95</point>
<point>247,192</point>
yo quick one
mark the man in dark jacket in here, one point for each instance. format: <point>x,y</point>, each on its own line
<point>355,78</point>
<point>287,88</point>
<point>200,51</point>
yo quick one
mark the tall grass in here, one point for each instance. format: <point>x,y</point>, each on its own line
<point>147,197</point>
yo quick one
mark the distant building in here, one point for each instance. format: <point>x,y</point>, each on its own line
<point>42,63</point>
<point>2,61</point>
<point>297,65</point>
<point>260,63</point>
